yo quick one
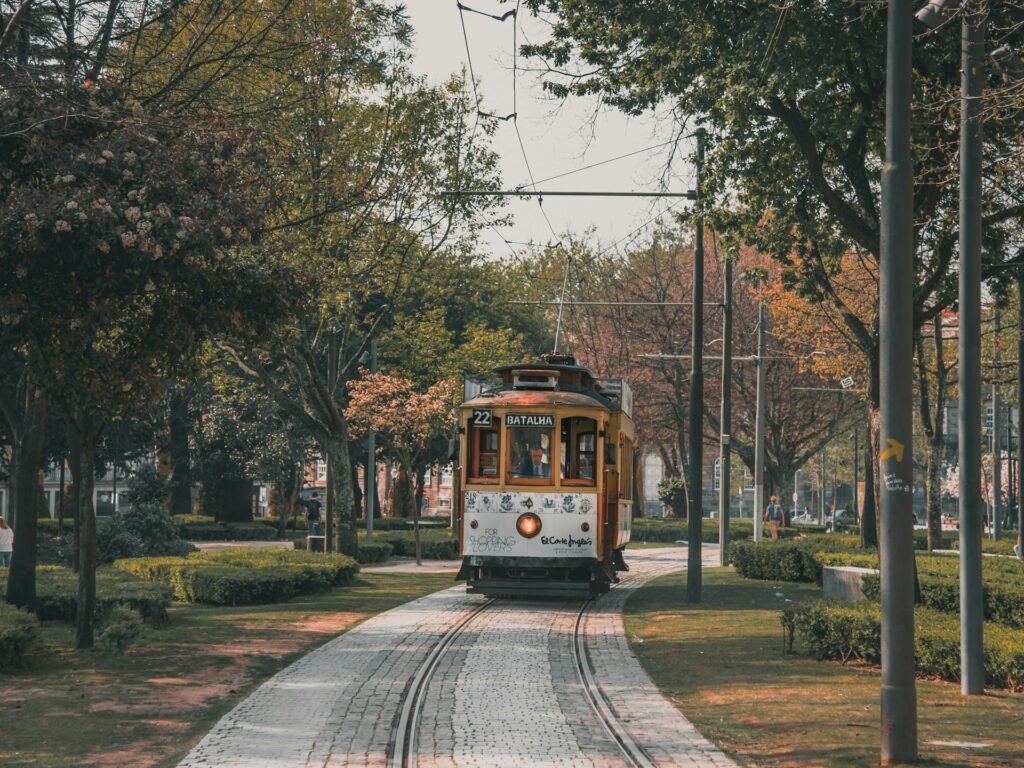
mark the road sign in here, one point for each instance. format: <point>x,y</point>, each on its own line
<point>846,382</point>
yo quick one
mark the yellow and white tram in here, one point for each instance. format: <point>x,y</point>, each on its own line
<point>546,481</point>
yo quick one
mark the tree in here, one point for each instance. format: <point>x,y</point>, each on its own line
<point>122,239</point>
<point>404,419</point>
<point>793,97</point>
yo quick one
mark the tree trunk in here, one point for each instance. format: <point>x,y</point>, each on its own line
<point>85,614</point>
<point>357,492</point>
<point>869,514</point>
<point>341,518</point>
<point>28,455</point>
<point>181,460</point>
<point>236,506</point>
<point>75,456</point>
<point>934,492</point>
<point>417,504</point>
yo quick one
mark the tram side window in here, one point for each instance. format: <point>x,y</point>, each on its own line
<point>529,452</point>
<point>484,457</point>
<point>626,470</point>
<point>579,449</point>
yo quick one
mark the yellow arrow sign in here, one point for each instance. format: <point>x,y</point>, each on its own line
<point>895,449</point>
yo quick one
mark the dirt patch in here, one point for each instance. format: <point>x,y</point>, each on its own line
<point>328,624</point>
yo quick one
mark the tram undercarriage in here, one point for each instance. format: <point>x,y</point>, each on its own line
<point>537,577</point>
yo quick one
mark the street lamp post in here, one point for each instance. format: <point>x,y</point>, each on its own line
<point>759,429</point>
<point>694,490</point>
<point>896,294</point>
<point>371,456</point>
<point>726,418</point>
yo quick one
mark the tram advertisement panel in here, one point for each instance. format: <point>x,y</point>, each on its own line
<point>556,524</point>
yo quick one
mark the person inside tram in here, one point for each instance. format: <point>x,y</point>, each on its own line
<point>532,464</point>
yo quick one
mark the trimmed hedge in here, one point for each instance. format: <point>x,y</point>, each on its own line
<point>228,532</point>
<point>794,560</point>
<point>436,545</point>
<point>57,594</point>
<point>19,631</point>
<point>671,530</point>
<point>373,551</point>
<point>845,631</point>
<point>244,576</point>
<point>403,523</point>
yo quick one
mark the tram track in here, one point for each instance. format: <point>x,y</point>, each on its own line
<point>403,752</point>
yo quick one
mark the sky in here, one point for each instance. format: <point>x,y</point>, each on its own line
<point>557,136</point>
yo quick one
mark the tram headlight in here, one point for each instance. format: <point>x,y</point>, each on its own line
<point>585,527</point>
<point>473,524</point>
<point>528,525</point>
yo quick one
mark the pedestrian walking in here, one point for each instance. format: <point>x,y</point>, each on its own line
<point>6,544</point>
<point>774,516</point>
<point>313,507</point>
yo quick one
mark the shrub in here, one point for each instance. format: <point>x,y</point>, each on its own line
<point>120,628</point>
<point>671,530</point>
<point>845,631</point>
<point>244,576</point>
<point>396,523</point>
<point>180,520</point>
<point>792,560</point>
<point>57,594</point>
<point>19,631</point>
<point>226,532</point>
<point>373,551</point>
<point>436,545</point>
<point>144,529</point>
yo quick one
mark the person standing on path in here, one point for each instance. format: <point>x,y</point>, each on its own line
<point>773,515</point>
<point>313,514</point>
<point>6,544</point>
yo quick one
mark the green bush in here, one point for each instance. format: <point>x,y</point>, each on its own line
<point>1003,603</point>
<point>120,628</point>
<point>244,576</point>
<point>192,519</point>
<point>226,532</point>
<point>436,545</point>
<point>47,526</point>
<point>399,523</point>
<point>57,594</point>
<point>19,631</point>
<point>295,522</point>
<point>671,530</point>
<point>853,631</point>
<point>373,551</point>
<point>792,560</point>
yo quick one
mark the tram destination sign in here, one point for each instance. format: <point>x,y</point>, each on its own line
<point>529,420</point>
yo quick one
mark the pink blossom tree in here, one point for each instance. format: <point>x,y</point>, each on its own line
<point>405,420</point>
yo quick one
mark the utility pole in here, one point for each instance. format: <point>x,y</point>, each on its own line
<point>759,429</point>
<point>694,491</point>
<point>370,476</point>
<point>896,294</point>
<point>972,670</point>
<point>856,471</point>
<point>726,418</point>
<point>997,441</point>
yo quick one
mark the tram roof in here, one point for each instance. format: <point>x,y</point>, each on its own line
<point>560,398</point>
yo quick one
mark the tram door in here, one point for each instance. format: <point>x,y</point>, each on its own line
<point>611,496</point>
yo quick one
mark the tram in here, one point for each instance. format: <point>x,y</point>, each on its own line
<point>544,501</point>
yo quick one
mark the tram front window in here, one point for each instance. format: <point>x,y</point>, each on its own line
<point>579,442</point>
<point>530,452</point>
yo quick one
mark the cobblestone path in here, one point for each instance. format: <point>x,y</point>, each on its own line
<point>505,694</point>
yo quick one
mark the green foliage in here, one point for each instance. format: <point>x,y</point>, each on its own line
<point>19,631</point>
<point>244,576</point>
<point>373,551</point>
<point>120,628</point>
<point>672,493</point>
<point>57,594</point>
<point>794,560</point>
<point>845,631</point>
<point>191,519</point>
<point>437,545</point>
<point>255,531</point>
<point>671,530</point>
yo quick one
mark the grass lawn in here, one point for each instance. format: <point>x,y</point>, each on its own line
<point>149,707</point>
<point>722,665</point>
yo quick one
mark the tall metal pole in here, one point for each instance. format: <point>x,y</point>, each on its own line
<point>896,300</point>
<point>370,476</point>
<point>997,441</point>
<point>972,671</point>
<point>694,491</point>
<point>856,472</point>
<point>726,417</point>
<point>759,430</point>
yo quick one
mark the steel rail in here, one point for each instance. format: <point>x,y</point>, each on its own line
<point>403,745</point>
<point>633,753</point>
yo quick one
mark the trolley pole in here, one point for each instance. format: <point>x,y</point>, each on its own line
<point>896,293</point>
<point>972,670</point>
<point>759,429</point>
<point>371,456</point>
<point>694,491</point>
<point>726,418</point>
